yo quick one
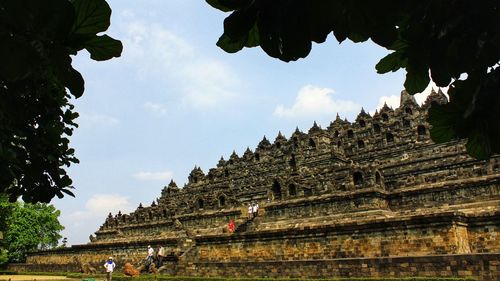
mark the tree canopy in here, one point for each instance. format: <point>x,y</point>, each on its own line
<point>5,211</point>
<point>28,227</point>
<point>38,39</point>
<point>455,43</point>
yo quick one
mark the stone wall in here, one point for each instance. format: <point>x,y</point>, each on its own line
<point>486,267</point>
<point>483,235</point>
<point>403,236</point>
<point>342,203</point>
<point>374,197</point>
<point>70,259</point>
<point>209,221</point>
<point>446,193</point>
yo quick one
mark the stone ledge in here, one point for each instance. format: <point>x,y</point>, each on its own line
<point>446,185</point>
<point>485,267</point>
<point>209,214</point>
<point>368,226</point>
<point>381,193</point>
<point>390,259</point>
<point>356,194</point>
<point>138,225</point>
<point>110,245</point>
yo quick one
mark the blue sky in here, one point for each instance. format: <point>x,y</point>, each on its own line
<point>175,100</point>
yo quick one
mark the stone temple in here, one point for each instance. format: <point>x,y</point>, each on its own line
<point>375,197</point>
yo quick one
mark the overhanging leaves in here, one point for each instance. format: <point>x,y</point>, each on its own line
<point>92,16</point>
<point>417,78</point>
<point>477,145</point>
<point>228,5</point>
<point>74,82</point>
<point>36,115</point>
<point>17,58</point>
<point>443,119</point>
<point>391,62</point>
<point>66,74</point>
<point>443,39</point>
<point>472,113</point>
<point>103,48</point>
<point>253,38</point>
<point>229,45</point>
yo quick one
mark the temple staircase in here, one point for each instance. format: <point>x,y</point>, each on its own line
<point>243,227</point>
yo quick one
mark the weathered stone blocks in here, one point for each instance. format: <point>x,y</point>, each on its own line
<point>365,199</point>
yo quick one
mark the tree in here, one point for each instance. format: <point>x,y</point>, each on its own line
<point>438,40</point>
<point>5,211</point>
<point>38,39</point>
<point>29,227</point>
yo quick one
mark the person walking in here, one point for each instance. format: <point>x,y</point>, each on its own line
<point>231,226</point>
<point>149,258</point>
<point>250,211</point>
<point>161,254</point>
<point>255,209</point>
<point>109,266</point>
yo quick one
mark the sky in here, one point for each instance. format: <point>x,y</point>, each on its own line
<point>174,100</point>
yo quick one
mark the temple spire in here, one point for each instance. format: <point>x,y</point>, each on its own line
<point>406,98</point>
<point>264,143</point>
<point>172,184</point>
<point>315,128</point>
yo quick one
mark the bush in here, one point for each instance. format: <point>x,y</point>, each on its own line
<point>4,258</point>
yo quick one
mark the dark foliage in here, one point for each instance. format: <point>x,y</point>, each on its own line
<point>438,40</point>
<point>36,116</point>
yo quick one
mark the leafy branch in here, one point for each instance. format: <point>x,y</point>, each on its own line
<point>36,115</point>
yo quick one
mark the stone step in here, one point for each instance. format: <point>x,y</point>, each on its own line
<point>322,220</point>
<point>466,208</point>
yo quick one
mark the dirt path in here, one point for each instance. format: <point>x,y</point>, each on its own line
<point>33,277</point>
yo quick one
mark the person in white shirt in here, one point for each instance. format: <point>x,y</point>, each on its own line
<point>149,258</point>
<point>250,211</point>
<point>109,266</point>
<point>161,254</point>
<point>255,209</point>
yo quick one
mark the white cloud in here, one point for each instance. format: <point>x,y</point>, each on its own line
<point>153,50</point>
<point>153,176</point>
<point>313,101</point>
<point>391,101</point>
<point>91,120</point>
<point>156,108</point>
<point>107,202</point>
<point>98,207</point>
<point>209,83</point>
